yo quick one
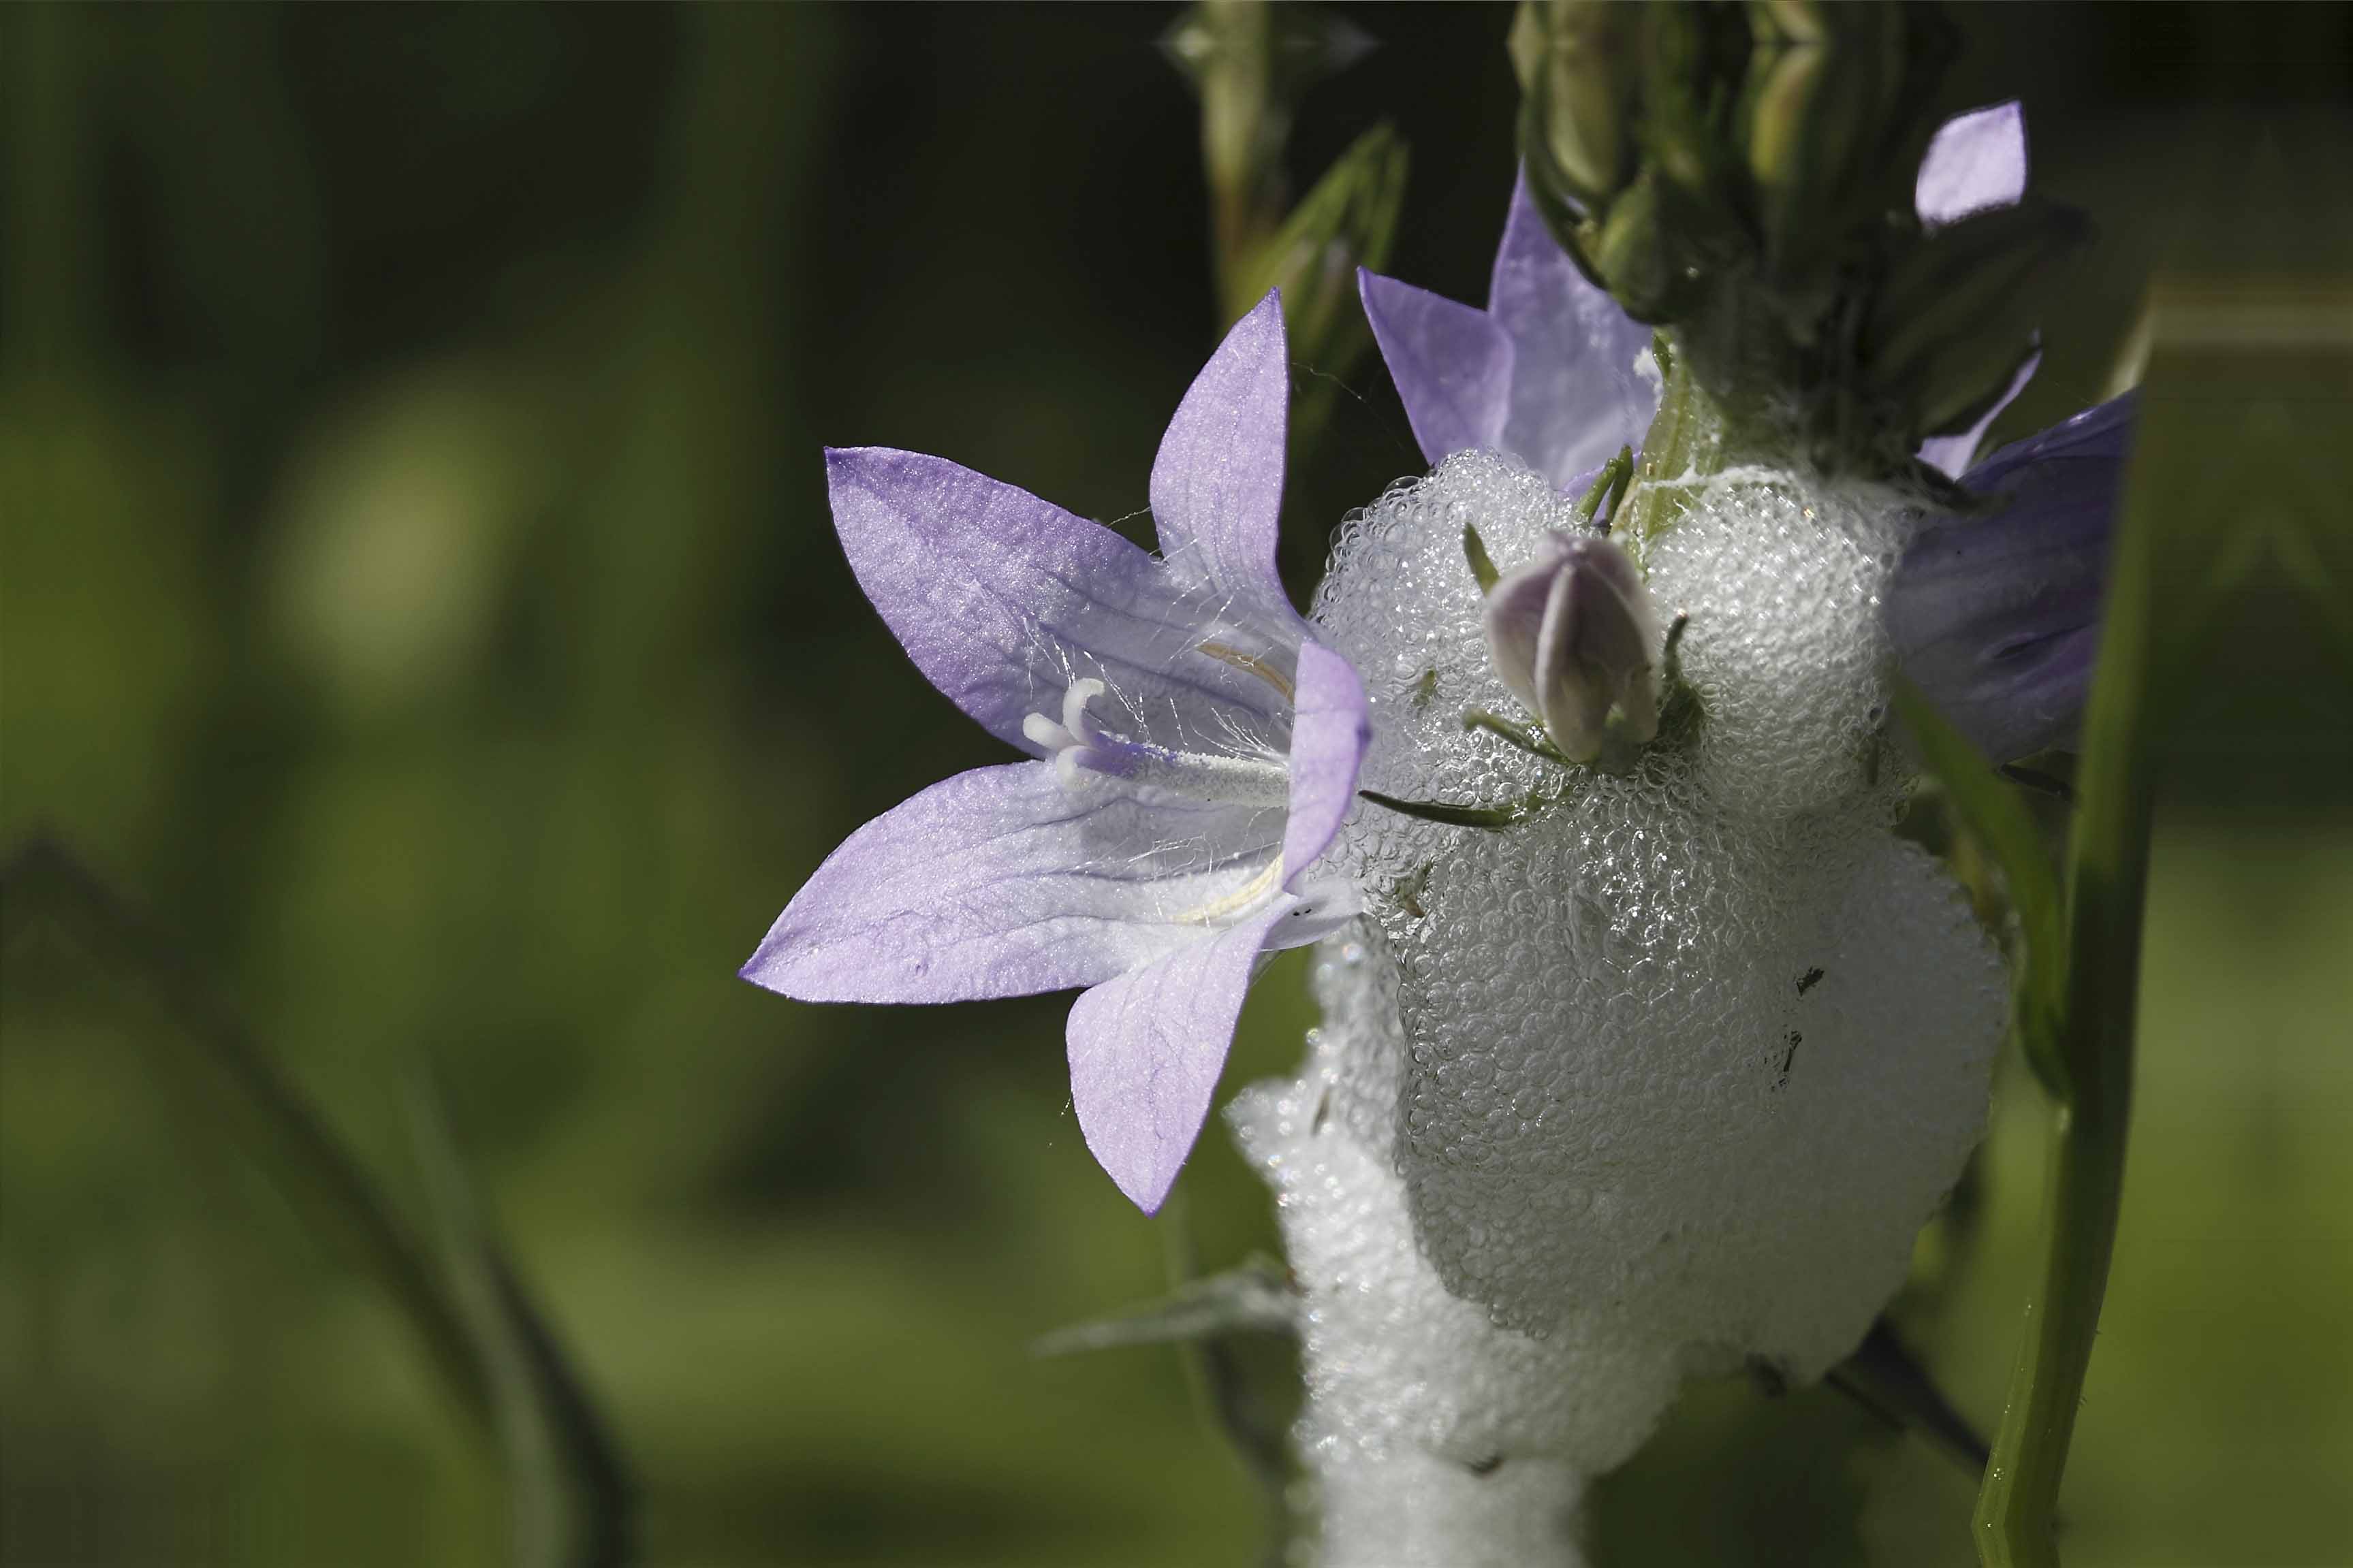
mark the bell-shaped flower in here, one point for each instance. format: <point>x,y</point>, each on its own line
<point>1999,611</point>
<point>1193,750</point>
<point>1572,635</point>
<point>1997,617</point>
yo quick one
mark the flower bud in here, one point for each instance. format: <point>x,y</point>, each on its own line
<point>1572,635</point>
<point>1578,70</point>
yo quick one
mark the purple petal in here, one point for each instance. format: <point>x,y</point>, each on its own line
<point>1974,161</point>
<point>1451,364</point>
<point>1949,455</point>
<point>1513,616</point>
<point>996,883</point>
<point>1217,481</point>
<point>999,597</point>
<point>1996,617</point>
<point>2100,435</point>
<point>1147,1049</point>
<point>1576,395</point>
<point>1327,746</point>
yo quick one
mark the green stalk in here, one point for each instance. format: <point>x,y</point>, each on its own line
<point>2107,876</point>
<point>1683,446</point>
<point>1226,47</point>
<point>2017,1503</point>
<point>45,880</point>
<point>477,1325</point>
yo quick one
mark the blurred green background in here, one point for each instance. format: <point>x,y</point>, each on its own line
<point>416,591</point>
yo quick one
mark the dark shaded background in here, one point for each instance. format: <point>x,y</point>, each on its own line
<point>417,591</point>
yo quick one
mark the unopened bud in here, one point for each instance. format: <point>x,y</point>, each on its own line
<point>1578,70</point>
<point>1572,635</point>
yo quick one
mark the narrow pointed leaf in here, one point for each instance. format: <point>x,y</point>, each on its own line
<point>1346,222</point>
<point>1256,1297</point>
<point>1991,808</point>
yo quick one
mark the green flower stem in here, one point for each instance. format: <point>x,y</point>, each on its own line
<point>2018,1501</point>
<point>2106,889</point>
<point>1684,443</point>
<point>1243,132</point>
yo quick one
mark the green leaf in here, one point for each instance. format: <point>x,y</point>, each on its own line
<point>1251,62</point>
<point>1685,441</point>
<point>568,1495</point>
<point>1255,1298</point>
<point>46,881</point>
<point>1959,310</point>
<point>1825,108</point>
<point>1483,565</point>
<point>1453,814</point>
<point>1518,736</point>
<point>1633,252</point>
<point>1347,221</point>
<point>567,1487</point>
<point>1989,808</point>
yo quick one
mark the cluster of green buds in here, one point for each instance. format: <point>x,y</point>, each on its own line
<point>1744,174</point>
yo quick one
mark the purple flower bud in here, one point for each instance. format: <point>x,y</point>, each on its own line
<point>1572,635</point>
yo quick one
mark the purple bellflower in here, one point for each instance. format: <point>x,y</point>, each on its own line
<point>1994,616</point>
<point>1194,750</point>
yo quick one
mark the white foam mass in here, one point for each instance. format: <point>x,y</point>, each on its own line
<point>1662,1079</point>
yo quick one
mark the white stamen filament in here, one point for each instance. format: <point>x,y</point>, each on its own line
<point>1203,776</point>
<point>1082,749</point>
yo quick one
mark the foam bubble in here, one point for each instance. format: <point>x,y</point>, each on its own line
<point>1663,1080</point>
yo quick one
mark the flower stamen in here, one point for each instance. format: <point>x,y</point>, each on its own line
<point>1081,750</point>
